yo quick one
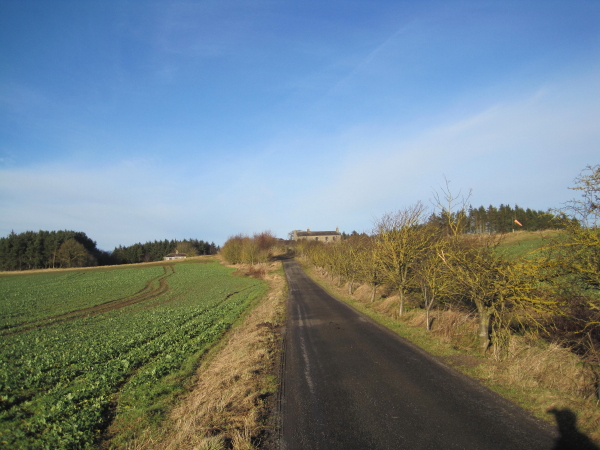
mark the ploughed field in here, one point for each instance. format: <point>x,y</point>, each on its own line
<point>78,347</point>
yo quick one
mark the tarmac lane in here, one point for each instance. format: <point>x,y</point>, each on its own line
<point>349,383</point>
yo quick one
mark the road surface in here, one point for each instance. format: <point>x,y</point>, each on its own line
<point>349,383</point>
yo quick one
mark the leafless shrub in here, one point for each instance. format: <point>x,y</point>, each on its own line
<point>243,249</point>
<point>265,240</point>
<point>257,271</point>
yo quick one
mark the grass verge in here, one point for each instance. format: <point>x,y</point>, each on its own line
<point>229,402</point>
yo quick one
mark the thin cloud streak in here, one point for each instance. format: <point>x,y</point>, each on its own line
<point>361,175</point>
<point>187,119</point>
<point>509,153</point>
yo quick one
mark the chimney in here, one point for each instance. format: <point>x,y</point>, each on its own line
<point>337,229</point>
<point>308,230</point>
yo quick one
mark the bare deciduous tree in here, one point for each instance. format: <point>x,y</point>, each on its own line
<point>187,248</point>
<point>433,275</point>
<point>581,250</point>
<point>452,209</point>
<point>400,238</point>
<point>370,270</point>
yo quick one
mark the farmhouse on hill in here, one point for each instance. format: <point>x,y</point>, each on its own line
<point>323,236</point>
<point>175,255</point>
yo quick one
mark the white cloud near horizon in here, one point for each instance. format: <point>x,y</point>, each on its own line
<point>524,151</point>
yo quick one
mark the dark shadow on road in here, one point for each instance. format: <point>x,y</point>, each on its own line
<point>570,437</point>
<point>282,257</point>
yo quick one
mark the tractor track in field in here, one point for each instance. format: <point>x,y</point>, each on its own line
<point>148,292</point>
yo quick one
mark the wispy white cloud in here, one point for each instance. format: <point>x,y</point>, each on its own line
<point>381,51</point>
<point>526,151</point>
<point>111,204</point>
<point>206,119</point>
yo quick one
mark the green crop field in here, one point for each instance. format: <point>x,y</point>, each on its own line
<point>79,347</point>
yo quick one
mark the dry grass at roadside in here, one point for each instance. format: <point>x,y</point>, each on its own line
<point>230,403</point>
<point>539,376</point>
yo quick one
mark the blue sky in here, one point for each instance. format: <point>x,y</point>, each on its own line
<point>140,120</point>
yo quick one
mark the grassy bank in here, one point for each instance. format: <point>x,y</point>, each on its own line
<point>521,243</point>
<point>229,403</point>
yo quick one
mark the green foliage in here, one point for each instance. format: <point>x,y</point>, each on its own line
<point>157,250</point>
<point>56,249</point>
<point>499,219</point>
<point>73,254</point>
<point>59,383</point>
<point>40,250</point>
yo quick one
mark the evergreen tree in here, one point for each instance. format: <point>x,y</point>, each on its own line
<point>39,250</point>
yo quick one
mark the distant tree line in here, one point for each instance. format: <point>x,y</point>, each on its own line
<point>157,250</point>
<point>506,218</point>
<point>49,249</point>
<point>64,249</point>
<point>502,219</point>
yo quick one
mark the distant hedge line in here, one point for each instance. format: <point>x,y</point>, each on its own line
<point>65,248</point>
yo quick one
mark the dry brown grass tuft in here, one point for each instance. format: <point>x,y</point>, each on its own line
<point>257,271</point>
<point>363,293</point>
<point>230,402</point>
<point>548,377</point>
<point>387,306</point>
<point>534,364</point>
<point>456,327</point>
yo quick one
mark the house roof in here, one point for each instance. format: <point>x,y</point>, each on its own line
<point>318,233</point>
<point>175,255</point>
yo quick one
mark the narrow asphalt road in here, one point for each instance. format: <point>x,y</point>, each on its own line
<point>349,383</point>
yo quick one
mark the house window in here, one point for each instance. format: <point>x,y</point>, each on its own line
<point>326,238</point>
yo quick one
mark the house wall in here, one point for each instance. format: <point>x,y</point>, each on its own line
<point>327,238</point>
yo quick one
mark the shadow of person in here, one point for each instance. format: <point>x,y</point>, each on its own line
<point>570,437</point>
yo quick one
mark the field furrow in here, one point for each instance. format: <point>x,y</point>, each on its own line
<point>64,377</point>
<point>154,288</point>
